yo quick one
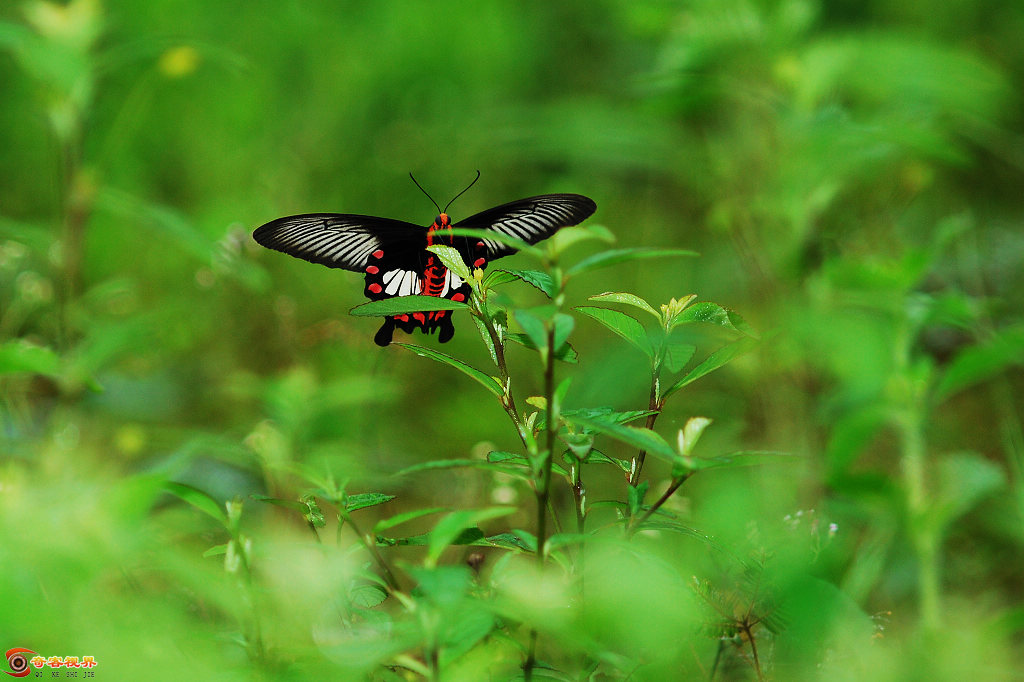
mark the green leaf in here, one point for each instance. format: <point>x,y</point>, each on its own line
<point>965,479</point>
<point>463,464</point>
<point>719,358</point>
<point>502,457</point>
<point>198,499</point>
<point>398,519</point>
<point>517,539</point>
<point>216,550</point>
<point>452,260</point>
<point>624,325</point>
<point>628,299</point>
<point>486,337</point>
<point>536,278</point>
<point>566,353</point>
<point>293,505</point>
<point>21,356</point>
<point>485,380</point>
<point>607,414</point>
<point>615,256</point>
<point>982,361</point>
<point>642,439</point>
<point>517,244</point>
<point>568,236</point>
<point>401,305</point>
<point>691,433</point>
<point>740,458</point>
<point>712,313</point>
<point>495,278</point>
<point>677,355</point>
<point>367,596</point>
<point>364,500</point>
<point>534,328</point>
<point>451,526</point>
<point>636,497</point>
<point>598,457</point>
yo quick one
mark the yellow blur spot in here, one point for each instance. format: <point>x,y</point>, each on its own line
<point>130,439</point>
<point>179,62</point>
<point>76,23</point>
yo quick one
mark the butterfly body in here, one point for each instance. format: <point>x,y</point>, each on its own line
<point>393,255</point>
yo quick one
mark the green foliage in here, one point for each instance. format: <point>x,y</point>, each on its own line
<point>835,480</point>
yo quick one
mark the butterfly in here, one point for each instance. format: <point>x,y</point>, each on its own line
<point>392,254</point>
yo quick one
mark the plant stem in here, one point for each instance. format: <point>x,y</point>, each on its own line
<point>654,404</point>
<point>672,488</point>
<point>508,401</point>
<point>544,483</point>
<point>371,546</point>
<point>924,536</point>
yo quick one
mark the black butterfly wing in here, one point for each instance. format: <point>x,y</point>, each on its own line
<point>531,220</point>
<point>342,240</point>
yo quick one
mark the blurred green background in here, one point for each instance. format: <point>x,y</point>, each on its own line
<point>851,172</point>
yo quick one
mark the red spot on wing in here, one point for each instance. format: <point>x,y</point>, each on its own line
<point>374,288</point>
<point>378,254</point>
<point>479,245</point>
<point>419,317</point>
<point>373,270</point>
<point>479,262</point>
<point>458,298</point>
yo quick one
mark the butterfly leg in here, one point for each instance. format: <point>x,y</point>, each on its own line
<point>446,330</point>
<point>386,331</point>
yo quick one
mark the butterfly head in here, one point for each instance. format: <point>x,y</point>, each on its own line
<point>442,221</point>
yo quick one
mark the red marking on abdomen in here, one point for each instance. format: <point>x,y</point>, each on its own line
<point>434,275</point>
<point>375,288</point>
<point>373,270</point>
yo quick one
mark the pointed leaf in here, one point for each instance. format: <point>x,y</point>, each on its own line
<point>517,244</point>
<point>719,358</point>
<point>642,439</point>
<point>198,499</point>
<point>398,519</point>
<point>568,236</point>
<point>400,305</point>
<point>452,260</point>
<point>628,299</point>
<point>982,361</point>
<point>294,505</point>
<point>677,355</point>
<point>622,324</point>
<point>451,526</point>
<point>712,313</point>
<point>565,353</point>
<point>534,328</point>
<point>364,500</point>
<point>488,382</point>
<point>616,256</point>
<point>464,464</point>
<point>22,356</point>
<point>540,280</point>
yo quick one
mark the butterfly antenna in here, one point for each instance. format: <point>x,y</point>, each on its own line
<point>428,196</point>
<point>462,192</point>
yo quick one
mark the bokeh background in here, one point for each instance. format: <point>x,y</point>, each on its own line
<point>852,174</point>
